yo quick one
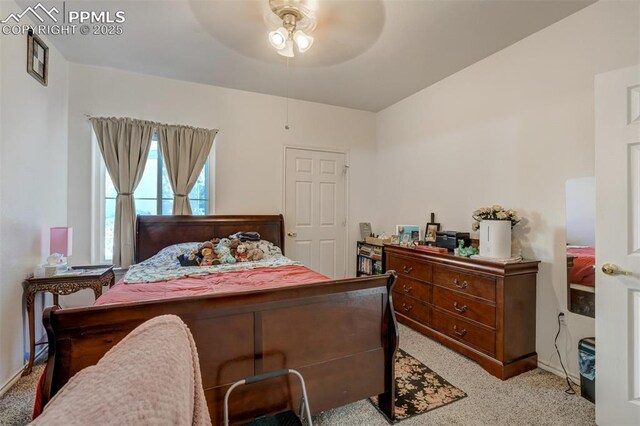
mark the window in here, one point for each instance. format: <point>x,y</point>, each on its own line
<point>153,195</point>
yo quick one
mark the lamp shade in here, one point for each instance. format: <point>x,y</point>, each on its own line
<point>61,240</point>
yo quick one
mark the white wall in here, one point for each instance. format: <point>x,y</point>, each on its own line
<point>33,181</point>
<point>510,129</point>
<point>581,211</point>
<point>249,148</point>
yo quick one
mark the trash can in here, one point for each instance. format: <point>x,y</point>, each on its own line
<point>587,365</point>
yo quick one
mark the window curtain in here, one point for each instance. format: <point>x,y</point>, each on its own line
<point>185,151</point>
<point>124,143</point>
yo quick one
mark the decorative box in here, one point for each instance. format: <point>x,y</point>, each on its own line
<point>449,239</point>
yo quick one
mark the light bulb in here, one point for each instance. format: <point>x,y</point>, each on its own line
<point>278,38</point>
<point>287,50</point>
<point>303,40</point>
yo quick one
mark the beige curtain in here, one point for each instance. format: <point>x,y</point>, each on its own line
<point>185,151</point>
<point>124,144</point>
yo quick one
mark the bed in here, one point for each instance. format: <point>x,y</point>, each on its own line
<point>581,280</point>
<point>341,335</point>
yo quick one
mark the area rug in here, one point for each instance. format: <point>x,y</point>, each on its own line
<point>419,389</point>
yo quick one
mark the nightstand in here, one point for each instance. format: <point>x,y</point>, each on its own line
<point>93,277</point>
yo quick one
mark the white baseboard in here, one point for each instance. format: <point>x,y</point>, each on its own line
<point>557,371</point>
<point>12,381</point>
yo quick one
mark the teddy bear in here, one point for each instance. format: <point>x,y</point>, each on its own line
<point>254,254</point>
<point>241,253</point>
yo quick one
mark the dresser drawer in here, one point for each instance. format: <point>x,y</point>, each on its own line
<point>410,268</point>
<point>412,308</point>
<point>458,304</point>
<point>415,289</point>
<point>484,288</point>
<point>464,331</point>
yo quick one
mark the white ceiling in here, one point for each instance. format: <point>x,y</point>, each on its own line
<point>368,54</point>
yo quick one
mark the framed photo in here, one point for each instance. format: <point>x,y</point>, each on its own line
<point>37,58</point>
<point>395,239</point>
<point>430,232</point>
<point>408,234</point>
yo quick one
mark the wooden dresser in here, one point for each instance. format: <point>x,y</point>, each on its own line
<point>485,311</point>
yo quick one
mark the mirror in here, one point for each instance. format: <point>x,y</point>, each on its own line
<point>580,248</point>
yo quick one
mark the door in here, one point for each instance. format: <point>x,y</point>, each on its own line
<point>618,247</point>
<point>315,215</point>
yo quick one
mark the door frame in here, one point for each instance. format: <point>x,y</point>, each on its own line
<point>347,197</point>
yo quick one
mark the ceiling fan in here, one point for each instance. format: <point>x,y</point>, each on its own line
<point>295,20</point>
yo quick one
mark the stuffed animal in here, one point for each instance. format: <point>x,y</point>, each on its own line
<point>254,254</point>
<point>224,252</point>
<point>241,253</point>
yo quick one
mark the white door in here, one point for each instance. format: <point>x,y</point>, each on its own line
<point>618,246</point>
<point>315,215</point>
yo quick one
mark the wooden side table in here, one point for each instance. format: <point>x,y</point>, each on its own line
<point>93,277</point>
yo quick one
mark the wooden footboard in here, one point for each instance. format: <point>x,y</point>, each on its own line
<point>341,335</point>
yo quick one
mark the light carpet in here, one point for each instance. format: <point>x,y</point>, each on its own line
<point>533,398</point>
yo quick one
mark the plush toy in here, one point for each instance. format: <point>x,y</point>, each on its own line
<point>254,254</point>
<point>241,253</point>
<point>224,252</point>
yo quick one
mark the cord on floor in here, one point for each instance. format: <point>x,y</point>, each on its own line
<point>570,383</point>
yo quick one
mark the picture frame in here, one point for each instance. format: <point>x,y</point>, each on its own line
<point>408,234</point>
<point>430,232</point>
<point>395,239</point>
<point>37,58</point>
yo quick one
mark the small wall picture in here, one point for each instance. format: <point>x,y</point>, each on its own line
<point>37,58</point>
<point>408,234</point>
<point>430,232</point>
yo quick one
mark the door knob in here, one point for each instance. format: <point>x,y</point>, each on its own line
<point>292,234</point>
<point>612,269</point>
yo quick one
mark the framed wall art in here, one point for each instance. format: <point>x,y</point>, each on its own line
<point>37,58</point>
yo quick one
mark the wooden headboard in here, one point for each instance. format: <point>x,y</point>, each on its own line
<point>153,233</point>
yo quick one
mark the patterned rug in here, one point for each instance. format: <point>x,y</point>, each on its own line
<point>419,389</point>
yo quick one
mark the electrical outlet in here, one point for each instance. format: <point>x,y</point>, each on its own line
<point>562,316</point>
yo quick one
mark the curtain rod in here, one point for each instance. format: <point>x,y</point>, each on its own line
<point>89,117</point>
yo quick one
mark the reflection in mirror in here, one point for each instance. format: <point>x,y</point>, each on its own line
<point>581,254</point>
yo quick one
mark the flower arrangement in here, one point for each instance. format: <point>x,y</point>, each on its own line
<point>496,212</point>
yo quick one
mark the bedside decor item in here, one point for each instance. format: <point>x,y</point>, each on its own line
<point>408,233</point>
<point>37,58</point>
<point>449,239</point>
<point>466,252</point>
<point>431,229</point>
<point>365,230</point>
<point>395,239</point>
<point>495,224</point>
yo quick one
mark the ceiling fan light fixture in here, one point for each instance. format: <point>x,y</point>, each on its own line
<point>278,38</point>
<point>303,41</point>
<point>287,50</point>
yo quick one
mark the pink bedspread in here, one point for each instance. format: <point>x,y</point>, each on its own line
<point>583,271</point>
<point>224,282</point>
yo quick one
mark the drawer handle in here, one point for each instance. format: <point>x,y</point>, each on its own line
<point>407,289</point>
<point>407,269</point>
<point>406,307</point>
<point>458,284</point>
<point>459,332</point>
<point>459,308</point>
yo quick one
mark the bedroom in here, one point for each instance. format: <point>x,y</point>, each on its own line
<point>449,107</point>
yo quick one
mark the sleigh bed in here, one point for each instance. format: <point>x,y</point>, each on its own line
<point>340,334</point>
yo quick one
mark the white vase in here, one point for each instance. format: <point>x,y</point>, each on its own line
<point>495,238</point>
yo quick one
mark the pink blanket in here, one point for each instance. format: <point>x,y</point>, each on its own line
<point>583,271</point>
<point>224,282</point>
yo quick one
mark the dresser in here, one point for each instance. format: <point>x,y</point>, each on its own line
<point>483,310</point>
